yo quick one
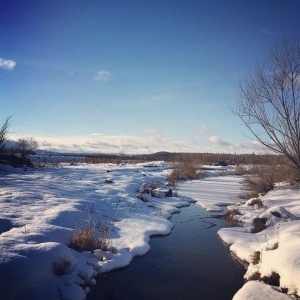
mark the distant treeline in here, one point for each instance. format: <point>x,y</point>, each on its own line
<point>197,158</point>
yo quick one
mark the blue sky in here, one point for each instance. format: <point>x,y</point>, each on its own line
<point>134,76</point>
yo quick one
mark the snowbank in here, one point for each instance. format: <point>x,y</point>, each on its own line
<point>269,242</point>
<point>213,192</point>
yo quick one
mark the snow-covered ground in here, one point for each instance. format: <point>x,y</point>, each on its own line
<point>273,254</point>
<point>40,208</point>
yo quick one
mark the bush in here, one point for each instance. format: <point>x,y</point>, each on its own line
<point>185,170</point>
<point>263,178</point>
<point>240,170</point>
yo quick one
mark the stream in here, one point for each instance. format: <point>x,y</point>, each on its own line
<point>190,263</point>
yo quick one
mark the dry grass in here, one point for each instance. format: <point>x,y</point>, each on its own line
<point>88,238</point>
<point>62,267</point>
<point>240,170</point>
<point>259,224</point>
<point>84,239</point>
<point>263,178</point>
<point>229,217</point>
<point>255,201</point>
<point>105,243</point>
<point>185,170</point>
<point>255,258</point>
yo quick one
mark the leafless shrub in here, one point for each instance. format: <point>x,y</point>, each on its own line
<point>62,267</point>
<point>184,170</point>
<point>240,170</point>
<point>229,217</point>
<point>263,178</point>
<point>25,146</point>
<point>259,224</point>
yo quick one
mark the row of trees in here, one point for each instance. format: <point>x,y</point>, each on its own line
<point>23,147</point>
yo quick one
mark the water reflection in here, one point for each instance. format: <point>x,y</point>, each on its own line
<point>190,263</point>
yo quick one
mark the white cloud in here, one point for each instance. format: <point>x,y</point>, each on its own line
<point>102,76</point>
<point>202,129</point>
<point>243,147</point>
<point>131,144</point>
<point>100,143</point>
<point>215,140</point>
<point>7,64</point>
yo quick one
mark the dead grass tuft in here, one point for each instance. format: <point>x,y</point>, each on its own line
<point>86,239</point>
<point>255,258</point>
<point>229,217</point>
<point>263,178</point>
<point>240,170</point>
<point>257,202</point>
<point>259,224</point>
<point>185,170</point>
<point>62,267</point>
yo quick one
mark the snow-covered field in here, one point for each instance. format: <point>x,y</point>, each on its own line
<point>40,208</point>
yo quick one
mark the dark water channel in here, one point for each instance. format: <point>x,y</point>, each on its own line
<point>190,263</point>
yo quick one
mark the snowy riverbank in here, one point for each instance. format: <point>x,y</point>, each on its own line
<point>273,253</point>
<point>40,208</point>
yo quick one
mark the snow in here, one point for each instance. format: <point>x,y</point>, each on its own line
<point>254,290</point>
<point>40,208</point>
<point>278,245</point>
<point>213,192</point>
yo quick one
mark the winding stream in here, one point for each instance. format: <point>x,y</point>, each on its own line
<point>190,263</point>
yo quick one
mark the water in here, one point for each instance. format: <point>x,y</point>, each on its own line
<point>190,263</point>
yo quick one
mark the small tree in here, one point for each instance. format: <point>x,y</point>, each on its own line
<point>3,133</point>
<point>26,146</point>
<point>269,102</point>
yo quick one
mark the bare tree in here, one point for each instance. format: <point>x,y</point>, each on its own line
<point>25,146</point>
<point>269,102</point>
<point>3,133</point>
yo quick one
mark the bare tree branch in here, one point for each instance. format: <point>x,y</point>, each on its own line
<point>269,101</point>
<point>3,133</point>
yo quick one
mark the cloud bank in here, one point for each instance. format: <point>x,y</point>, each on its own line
<point>153,142</point>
